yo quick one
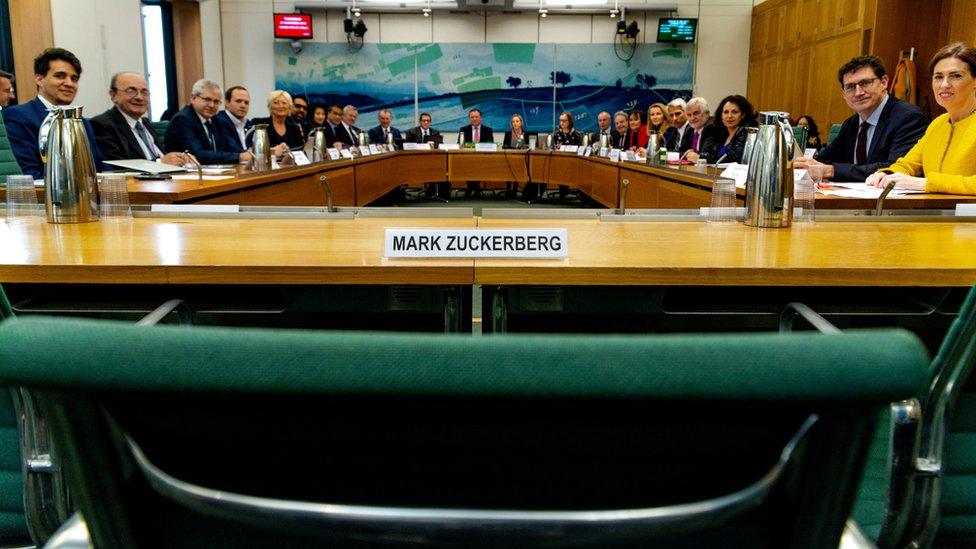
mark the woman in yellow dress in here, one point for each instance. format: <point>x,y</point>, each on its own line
<point>944,159</point>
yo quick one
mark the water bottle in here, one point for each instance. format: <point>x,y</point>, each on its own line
<point>662,156</point>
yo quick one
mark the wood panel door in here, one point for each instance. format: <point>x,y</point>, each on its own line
<point>789,24</point>
<point>849,14</point>
<point>842,49</point>
<point>809,21</point>
<point>772,30</point>
<point>760,22</point>
<point>801,79</point>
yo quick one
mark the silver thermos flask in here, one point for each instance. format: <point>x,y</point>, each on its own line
<point>70,180</point>
<point>769,180</point>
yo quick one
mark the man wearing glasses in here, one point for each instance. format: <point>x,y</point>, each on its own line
<point>195,129</point>
<point>881,131</point>
<point>7,95</point>
<point>56,74</point>
<point>123,132</point>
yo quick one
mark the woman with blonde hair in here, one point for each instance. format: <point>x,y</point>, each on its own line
<point>283,132</point>
<point>657,122</point>
<point>944,159</point>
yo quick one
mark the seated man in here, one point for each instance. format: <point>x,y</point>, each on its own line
<point>56,73</point>
<point>300,114</point>
<point>123,132</point>
<point>234,115</point>
<point>604,127</point>
<point>423,133</point>
<point>880,132</point>
<point>194,129</point>
<point>475,132</point>
<point>620,131</point>
<point>680,125</point>
<point>699,120</point>
<point>333,122</point>
<point>7,96</point>
<point>347,134</point>
<point>380,134</point>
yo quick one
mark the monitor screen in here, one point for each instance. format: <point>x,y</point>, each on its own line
<point>292,25</point>
<point>676,30</point>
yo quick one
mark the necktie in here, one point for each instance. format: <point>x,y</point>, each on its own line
<point>861,148</point>
<point>352,136</point>
<point>423,135</point>
<point>694,141</point>
<point>210,135</point>
<point>477,134</point>
<point>144,136</point>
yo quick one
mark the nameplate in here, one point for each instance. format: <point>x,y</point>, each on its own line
<point>300,158</point>
<point>569,148</point>
<point>364,151</point>
<point>737,172</point>
<point>449,147</point>
<point>374,149</point>
<point>481,243</point>
<point>195,208</point>
<point>604,152</point>
<point>345,153</point>
<point>486,147</point>
<point>585,151</point>
<point>629,156</point>
<point>334,154</point>
<point>966,210</point>
<point>416,146</point>
<point>615,155</point>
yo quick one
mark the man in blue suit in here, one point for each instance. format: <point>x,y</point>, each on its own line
<point>880,132</point>
<point>379,134</point>
<point>197,130</point>
<point>475,132</point>
<point>56,73</point>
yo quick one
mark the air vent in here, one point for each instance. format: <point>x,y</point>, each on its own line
<point>408,298</point>
<point>541,299</point>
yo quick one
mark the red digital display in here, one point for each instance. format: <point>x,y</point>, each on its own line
<point>293,25</point>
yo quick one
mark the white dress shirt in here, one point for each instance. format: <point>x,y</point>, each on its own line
<point>132,127</point>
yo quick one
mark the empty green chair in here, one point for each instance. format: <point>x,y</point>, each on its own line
<point>177,437</point>
<point>919,482</point>
<point>8,164</point>
<point>159,128</point>
<point>834,131</point>
<point>13,522</point>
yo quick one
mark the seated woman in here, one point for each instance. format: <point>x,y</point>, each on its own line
<point>637,136</point>
<point>516,138</point>
<point>813,132</point>
<point>657,123</point>
<point>944,159</point>
<point>567,134</point>
<point>318,115</point>
<point>728,139</point>
<point>283,133</point>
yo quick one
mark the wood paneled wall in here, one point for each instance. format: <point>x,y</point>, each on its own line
<point>31,33</point>
<point>798,45</point>
<point>188,42</point>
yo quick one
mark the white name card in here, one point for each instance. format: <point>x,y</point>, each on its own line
<point>486,147</point>
<point>334,154</point>
<point>569,148</point>
<point>364,151</point>
<point>500,243</point>
<point>966,210</point>
<point>449,147</point>
<point>738,172</point>
<point>604,152</point>
<point>416,146</point>
<point>615,155</point>
<point>374,149</point>
<point>345,153</point>
<point>300,158</point>
<point>583,151</point>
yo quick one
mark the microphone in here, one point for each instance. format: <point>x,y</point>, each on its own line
<point>720,159</point>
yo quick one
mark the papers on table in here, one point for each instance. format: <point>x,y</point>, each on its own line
<point>145,166</point>
<point>191,177</point>
<point>862,190</point>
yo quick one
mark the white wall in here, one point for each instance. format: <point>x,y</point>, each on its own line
<point>106,35</point>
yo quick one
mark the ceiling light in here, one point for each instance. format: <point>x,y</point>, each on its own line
<point>613,14</point>
<point>426,12</point>
<point>543,12</point>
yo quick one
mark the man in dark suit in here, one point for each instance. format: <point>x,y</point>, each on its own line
<point>604,124</point>
<point>423,133</point>
<point>880,132</point>
<point>237,103</point>
<point>347,133</point>
<point>620,132</point>
<point>193,129</point>
<point>475,132</point>
<point>333,122</point>
<point>700,131</point>
<point>7,95</point>
<point>123,132</point>
<point>300,113</point>
<point>680,136</point>
<point>56,73</point>
<point>379,133</point>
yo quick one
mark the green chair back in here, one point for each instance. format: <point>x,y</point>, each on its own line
<point>159,128</point>
<point>428,422</point>
<point>8,164</point>
<point>13,521</point>
<point>834,131</point>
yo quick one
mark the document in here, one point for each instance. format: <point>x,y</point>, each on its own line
<point>862,190</point>
<point>145,166</point>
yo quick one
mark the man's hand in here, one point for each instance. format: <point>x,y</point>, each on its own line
<point>801,163</point>
<point>245,157</point>
<point>176,158</point>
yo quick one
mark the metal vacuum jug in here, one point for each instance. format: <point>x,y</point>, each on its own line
<point>315,145</point>
<point>769,183</point>
<point>70,180</point>
<point>261,147</point>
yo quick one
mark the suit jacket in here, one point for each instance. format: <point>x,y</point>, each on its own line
<point>712,142</point>
<point>673,144</point>
<point>293,134</point>
<point>344,137</point>
<point>186,133</point>
<point>900,126</point>
<point>507,140</point>
<point>486,134</point>
<point>115,138</point>
<point>376,136</point>
<point>23,124</point>
<point>619,140</point>
<point>227,123</point>
<point>413,136</point>
<point>595,138</point>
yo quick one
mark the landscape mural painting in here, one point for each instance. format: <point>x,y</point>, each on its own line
<point>537,81</point>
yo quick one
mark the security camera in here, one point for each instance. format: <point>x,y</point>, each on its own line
<point>296,46</point>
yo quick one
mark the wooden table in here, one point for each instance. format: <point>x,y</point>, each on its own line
<point>361,181</point>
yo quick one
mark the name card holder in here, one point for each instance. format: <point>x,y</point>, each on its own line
<point>568,148</point>
<point>476,243</point>
<point>300,158</point>
<point>486,147</point>
<point>615,155</point>
<point>449,147</point>
<point>345,153</point>
<point>334,154</point>
<point>374,149</point>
